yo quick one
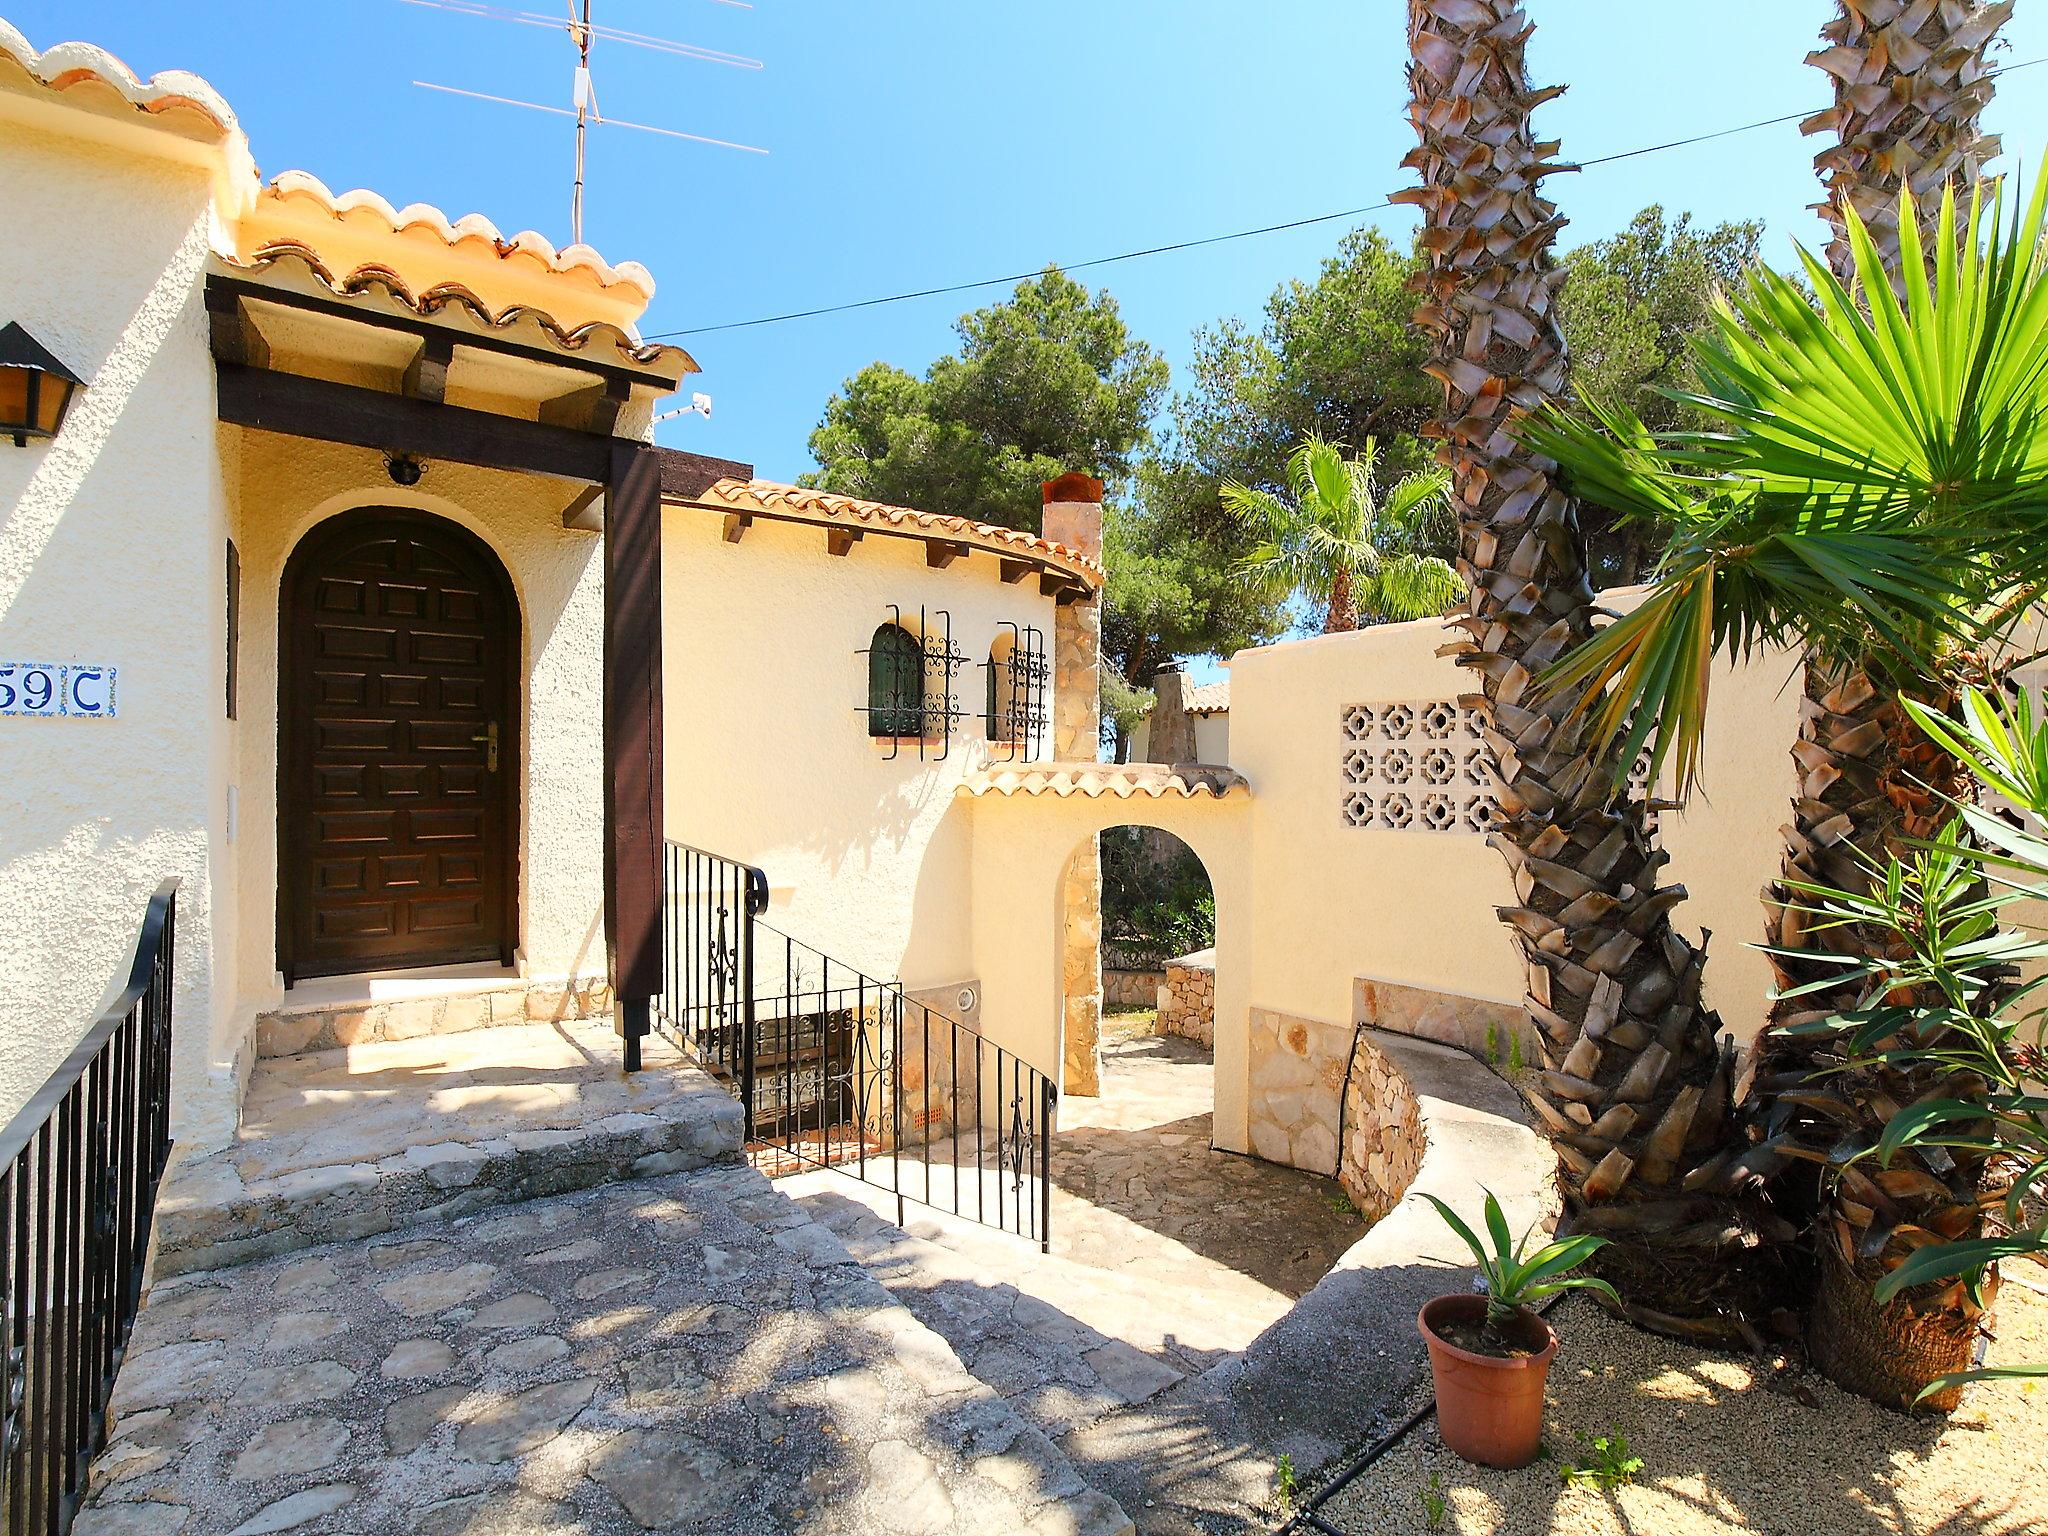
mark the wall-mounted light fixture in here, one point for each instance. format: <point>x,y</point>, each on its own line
<point>35,389</point>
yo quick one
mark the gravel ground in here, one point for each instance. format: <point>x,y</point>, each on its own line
<point>1724,1452</point>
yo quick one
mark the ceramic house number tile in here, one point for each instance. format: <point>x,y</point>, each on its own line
<point>49,690</point>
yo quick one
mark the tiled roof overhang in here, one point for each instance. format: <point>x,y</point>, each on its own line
<point>1124,781</point>
<point>769,499</point>
<point>471,232</point>
<point>296,270</point>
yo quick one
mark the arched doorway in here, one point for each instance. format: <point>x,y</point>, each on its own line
<point>1139,1175</point>
<point>398,748</point>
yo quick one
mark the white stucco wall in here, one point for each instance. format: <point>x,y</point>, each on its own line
<point>767,754</point>
<point>110,551</point>
<point>1333,902</point>
<point>1022,845</point>
<point>286,487</point>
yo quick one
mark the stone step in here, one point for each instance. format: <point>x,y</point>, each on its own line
<point>343,1144</point>
<point>688,1353</point>
<point>421,1008</point>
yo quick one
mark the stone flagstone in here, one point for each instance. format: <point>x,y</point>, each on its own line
<point>464,1389</point>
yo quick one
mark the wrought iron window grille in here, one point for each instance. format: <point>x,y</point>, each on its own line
<point>911,684</point>
<point>1019,677</point>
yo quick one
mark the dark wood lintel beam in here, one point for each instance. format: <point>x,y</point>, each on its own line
<point>328,412</point>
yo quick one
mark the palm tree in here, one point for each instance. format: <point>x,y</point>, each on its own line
<point>1876,494</point>
<point>1635,1092</point>
<point>1911,84</point>
<point>1335,542</point>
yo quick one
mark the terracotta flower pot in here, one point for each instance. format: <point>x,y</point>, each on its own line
<point>1489,1408</point>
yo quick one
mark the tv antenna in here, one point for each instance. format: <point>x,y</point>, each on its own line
<point>582,32</point>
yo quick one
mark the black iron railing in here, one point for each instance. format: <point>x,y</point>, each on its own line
<point>79,1168</point>
<point>837,1069</point>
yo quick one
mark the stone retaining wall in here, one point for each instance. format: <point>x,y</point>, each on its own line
<point>1131,989</point>
<point>291,1031</point>
<point>1329,1099</point>
<point>1187,997</point>
<point>1382,1145</point>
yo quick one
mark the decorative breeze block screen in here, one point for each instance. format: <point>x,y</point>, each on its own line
<point>1417,767</point>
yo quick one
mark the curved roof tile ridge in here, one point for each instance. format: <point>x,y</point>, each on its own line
<point>1158,781</point>
<point>455,232</point>
<point>835,504</point>
<point>65,65</point>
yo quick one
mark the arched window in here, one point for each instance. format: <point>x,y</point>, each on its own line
<point>895,683</point>
<point>999,714</point>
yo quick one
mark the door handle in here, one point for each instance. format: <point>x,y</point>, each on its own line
<point>488,740</point>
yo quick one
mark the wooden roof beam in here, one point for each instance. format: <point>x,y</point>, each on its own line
<point>940,553</point>
<point>426,376</point>
<point>840,541</point>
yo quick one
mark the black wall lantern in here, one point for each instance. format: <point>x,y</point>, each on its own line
<point>35,388</point>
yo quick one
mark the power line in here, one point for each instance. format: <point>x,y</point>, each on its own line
<point>1236,234</point>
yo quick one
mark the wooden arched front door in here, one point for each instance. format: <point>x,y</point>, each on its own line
<point>398,752</point>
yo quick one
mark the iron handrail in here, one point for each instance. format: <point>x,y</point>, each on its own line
<point>123,993</point>
<point>80,1167</point>
<point>819,1052</point>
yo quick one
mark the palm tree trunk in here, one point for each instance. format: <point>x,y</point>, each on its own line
<point>1911,78</point>
<point>1343,612</point>
<point>1635,1092</point>
<point>1911,82</point>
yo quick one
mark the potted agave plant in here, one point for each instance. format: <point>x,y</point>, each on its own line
<point>1490,1353</point>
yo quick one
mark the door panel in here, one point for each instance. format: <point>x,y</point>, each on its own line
<point>394,837</point>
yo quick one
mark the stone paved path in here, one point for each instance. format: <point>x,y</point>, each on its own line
<point>689,1353</point>
<point>1168,1257</point>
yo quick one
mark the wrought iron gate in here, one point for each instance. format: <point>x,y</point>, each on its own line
<point>837,1069</point>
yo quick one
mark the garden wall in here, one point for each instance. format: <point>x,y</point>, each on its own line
<point>1383,1139</point>
<point>1187,997</point>
<point>1329,1099</point>
<point>1131,989</point>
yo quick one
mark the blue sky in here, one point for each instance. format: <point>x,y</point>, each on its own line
<point>923,142</point>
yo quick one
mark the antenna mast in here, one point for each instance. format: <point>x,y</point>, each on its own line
<point>581,33</point>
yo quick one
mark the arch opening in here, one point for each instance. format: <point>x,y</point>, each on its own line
<point>1139,1183</point>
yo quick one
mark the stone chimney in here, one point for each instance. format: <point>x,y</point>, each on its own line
<point>1170,736</point>
<point>1073,517</point>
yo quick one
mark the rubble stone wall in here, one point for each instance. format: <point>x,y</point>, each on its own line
<point>1187,997</point>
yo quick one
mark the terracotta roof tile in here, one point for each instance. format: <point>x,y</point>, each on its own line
<point>1210,699</point>
<point>1123,780</point>
<point>472,230</point>
<point>176,99</point>
<point>830,506</point>
<point>371,283</point>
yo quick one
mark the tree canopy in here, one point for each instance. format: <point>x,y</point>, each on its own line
<point>1049,380</point>
<point>1629,307</point>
